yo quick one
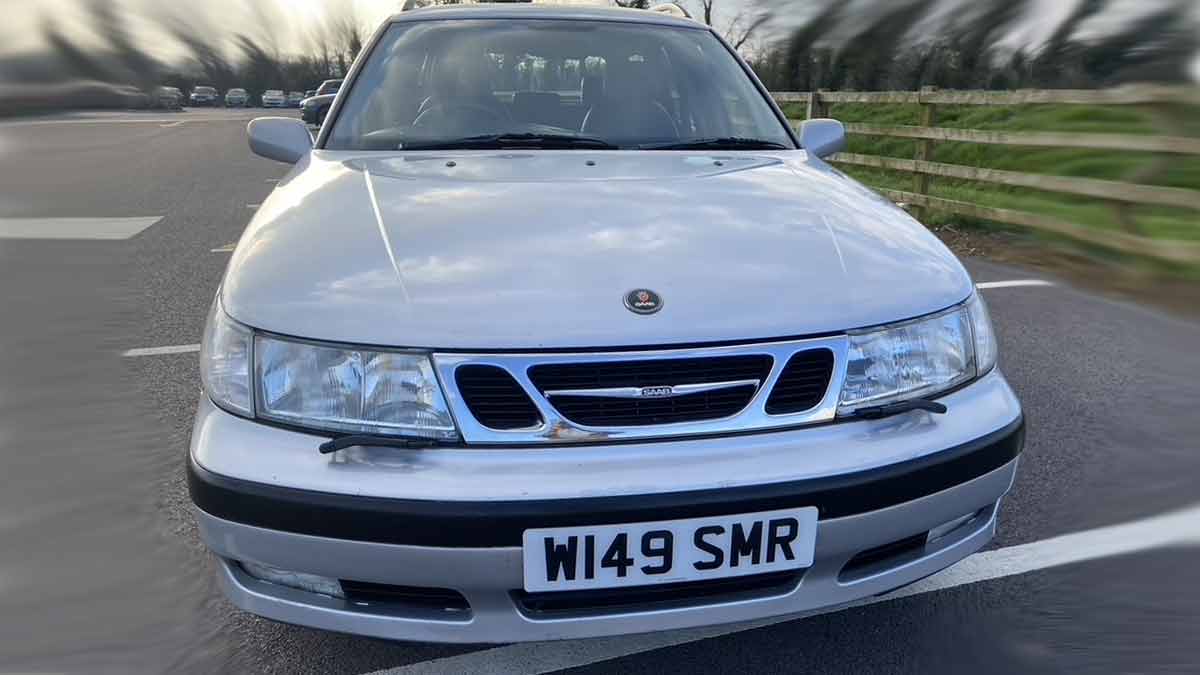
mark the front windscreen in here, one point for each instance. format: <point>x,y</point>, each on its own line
<point>626,85</point>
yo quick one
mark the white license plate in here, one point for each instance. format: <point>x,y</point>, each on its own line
<point>668,551</point>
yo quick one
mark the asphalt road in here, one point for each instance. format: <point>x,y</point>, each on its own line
<point>101,569</point>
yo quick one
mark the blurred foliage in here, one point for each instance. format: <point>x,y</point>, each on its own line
<point>889,45</point>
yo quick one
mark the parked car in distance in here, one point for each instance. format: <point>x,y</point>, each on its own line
<point>204,96</point>
<point>274,98</point>
<point>236,98</point>
<point>328,87</point>
<point>314,108</point>
<point>169,98</point>
<point>310,93</point>
<point>511,357</point>
<point>294,98</point>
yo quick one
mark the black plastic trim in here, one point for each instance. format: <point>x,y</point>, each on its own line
<point>501,523</point>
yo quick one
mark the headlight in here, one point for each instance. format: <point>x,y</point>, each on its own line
<point>328,388</point>
<point>919,358</point>
<point>348,389</point>
<point>225,362</point>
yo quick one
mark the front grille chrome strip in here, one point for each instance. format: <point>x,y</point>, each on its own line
<point>557,429</point>
<point>668,391</point>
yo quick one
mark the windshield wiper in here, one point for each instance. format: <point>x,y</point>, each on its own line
<point>721,143</point>
<point>407,442</point>
<point>501,141</point>
<point>887,410</point>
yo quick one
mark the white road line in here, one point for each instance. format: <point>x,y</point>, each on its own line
<point>172,124</point>
<point>1179,528</point>
<point>1014,283</point>
<point>74,228</point>
<point>271,180</point>
<point>227,248</point>
<point>159,351</point>
<point>253,206</point>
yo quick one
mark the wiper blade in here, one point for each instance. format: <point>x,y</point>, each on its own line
<point>721,143</point>
<point>500,141</point>
<point>887,410</point>
<point>407,442</point>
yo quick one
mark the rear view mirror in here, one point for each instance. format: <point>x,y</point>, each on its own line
<point>823,137</point>
<point>282,139</point>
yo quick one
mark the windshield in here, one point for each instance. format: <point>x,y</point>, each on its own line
<point>205,90</point>
<point>552,83</point>
<point>237,92</point>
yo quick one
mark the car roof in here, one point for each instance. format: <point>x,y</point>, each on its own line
<point>510,10</point>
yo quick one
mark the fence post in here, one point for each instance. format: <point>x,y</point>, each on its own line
<point>816,107</point>
<point>924,150</point>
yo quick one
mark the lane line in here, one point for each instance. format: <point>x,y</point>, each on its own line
<point>105,120</point>
<point>227,248</point>
<point>253,206</point>
<point>159,351</point>
<point>1178,528</point>
<point>74,228</point>
<point>1015,283</point>
<point>172,124</point>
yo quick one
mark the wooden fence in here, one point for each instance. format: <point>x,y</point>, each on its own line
<point>1119,194</point>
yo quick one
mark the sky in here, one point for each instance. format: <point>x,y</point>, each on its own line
<point>290,22</point>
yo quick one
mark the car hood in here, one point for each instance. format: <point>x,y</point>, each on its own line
<point>528,250</point>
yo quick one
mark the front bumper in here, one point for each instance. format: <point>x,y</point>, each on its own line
<point>386,516</point>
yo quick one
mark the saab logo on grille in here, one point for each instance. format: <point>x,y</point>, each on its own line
<point>643,301</point>
<point>657,392</point>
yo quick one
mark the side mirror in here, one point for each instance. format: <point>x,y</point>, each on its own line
<point>823,137</point>
<point>282,139</point>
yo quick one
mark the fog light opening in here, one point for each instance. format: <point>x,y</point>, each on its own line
<point>298,580</point>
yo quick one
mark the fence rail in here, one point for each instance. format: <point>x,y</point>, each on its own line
<point>1120,195</point>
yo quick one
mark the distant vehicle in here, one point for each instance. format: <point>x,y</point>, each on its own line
<point>329,87</point>
<point>274,98</point>
<point>314,108</point>
<point>309,93</point>
<point>204,95</point>
<point>169,98</point>
<point>294,98</point>
<point>236,98</point>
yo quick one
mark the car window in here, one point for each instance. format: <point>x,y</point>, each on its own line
<point>630,85</point>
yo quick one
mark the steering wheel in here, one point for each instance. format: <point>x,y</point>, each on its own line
<point>429,116</point>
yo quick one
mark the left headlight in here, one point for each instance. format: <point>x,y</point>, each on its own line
<point>326,388</point>
<point>919,358</point>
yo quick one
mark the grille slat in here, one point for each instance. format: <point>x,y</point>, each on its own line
<point>611,412</point>
<point>803,382</point>
<point>495,398</point>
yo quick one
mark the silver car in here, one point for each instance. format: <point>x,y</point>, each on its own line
<point>558,330</point>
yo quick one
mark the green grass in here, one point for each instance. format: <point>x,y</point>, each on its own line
<point>1179,171</point>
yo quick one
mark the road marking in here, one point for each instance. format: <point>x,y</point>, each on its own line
<point>253,206</point>
<point>227,248</point>
<point>1178,528</point>
<point>1014,283</point>
<point>74,228</point>
<point>159,351</point>
<point>172,124</point>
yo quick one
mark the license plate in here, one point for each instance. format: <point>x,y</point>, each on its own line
<point>668,551</point>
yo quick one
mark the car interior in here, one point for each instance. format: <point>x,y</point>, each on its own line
<point>648,88</point>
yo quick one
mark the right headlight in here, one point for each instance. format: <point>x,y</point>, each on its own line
<point>324,387</point>
<point>919,358</point>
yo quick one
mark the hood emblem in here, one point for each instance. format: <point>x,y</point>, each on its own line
<point>643,301</point>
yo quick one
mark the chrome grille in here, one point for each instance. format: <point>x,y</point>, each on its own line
<point>660,391</point>
<point>596,396</point>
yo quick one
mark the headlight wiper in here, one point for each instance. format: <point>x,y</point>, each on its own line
<point>406,442</point>
<point>887,410</point>
<point>721,143</point>
<point>501,141</point>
